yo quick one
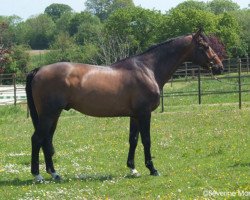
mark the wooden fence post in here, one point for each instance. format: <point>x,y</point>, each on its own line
<point>199,85</point>
<point>186,73</point>
<point>229,65</point>
<point>247,63</point>
<point>193,73</point>
<point>162,101</point>
<point>239,81</point>
<point>14,84</point>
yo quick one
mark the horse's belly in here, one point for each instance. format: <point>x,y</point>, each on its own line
<point>102,106</point>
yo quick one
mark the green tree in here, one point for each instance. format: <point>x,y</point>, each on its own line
<point>187,20</point>
<point>103,8</point>
<point>193,4</point>
<point>38,31</point>
<point>4,51</point>
<point>221,6</point>
<point>61,49</point>
<point>229,31</point>
<point>63,23</point>
<point>183,20</point>
<point>89,53</point>
<point>11,59</point>
<point>17,60</point>
<point>56,10</point>
<point>65,49</point>
<point>8,29</point>
<point>84,27</point>
<point>243,18</point>
<point>22,37</point>
<point>137,26</point>
<point>5,34</point>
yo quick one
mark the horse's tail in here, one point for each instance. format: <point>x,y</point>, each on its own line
<point>30,100</point>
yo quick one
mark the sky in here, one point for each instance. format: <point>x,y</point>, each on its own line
<point>28,8</point>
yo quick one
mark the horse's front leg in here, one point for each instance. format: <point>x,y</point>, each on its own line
<point>144,127</point>
<point>133,140</point>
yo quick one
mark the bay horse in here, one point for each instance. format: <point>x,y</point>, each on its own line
<point>128,88</point>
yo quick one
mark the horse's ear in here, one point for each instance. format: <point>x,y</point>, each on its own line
<point>197,34</point>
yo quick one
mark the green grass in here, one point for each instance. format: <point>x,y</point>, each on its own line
<point>196,148</point>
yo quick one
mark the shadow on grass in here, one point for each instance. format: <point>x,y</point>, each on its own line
<point>130,176</point>
<point>16,182</point>
<point>240,165</point>
<point>80,177</point>
<point>94,177</point>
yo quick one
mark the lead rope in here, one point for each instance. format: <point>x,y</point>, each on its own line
<point>224,82</point>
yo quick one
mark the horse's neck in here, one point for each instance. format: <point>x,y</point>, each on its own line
<point>165,61</point>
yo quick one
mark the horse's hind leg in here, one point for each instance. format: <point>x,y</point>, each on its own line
<point>49,151</point>
<point>41,134</point>
<point>36,141</point>
<point>133,140</point>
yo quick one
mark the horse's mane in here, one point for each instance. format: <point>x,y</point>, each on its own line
<point>167,42</point>
<point>153,47</point>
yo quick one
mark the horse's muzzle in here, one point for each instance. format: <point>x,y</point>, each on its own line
<point>217,69</point>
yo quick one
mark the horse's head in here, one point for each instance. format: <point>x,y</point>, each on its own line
<point>204,55</point>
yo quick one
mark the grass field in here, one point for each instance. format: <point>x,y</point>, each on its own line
<point>199,150</point>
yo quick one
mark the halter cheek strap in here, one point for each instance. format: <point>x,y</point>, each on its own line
<point>212,60</point>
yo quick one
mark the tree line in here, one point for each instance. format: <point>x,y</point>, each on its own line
<point>109,30</point>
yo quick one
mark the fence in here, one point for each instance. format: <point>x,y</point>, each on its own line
<point>12,89</point>
<point>188,72</point>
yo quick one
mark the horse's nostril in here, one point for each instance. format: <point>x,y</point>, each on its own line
<point>217,70</point>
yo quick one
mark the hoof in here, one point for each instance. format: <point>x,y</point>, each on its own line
<point>39,179</point>
<point>56,177</point>
<point>154,173</point>
<point>134,173</point>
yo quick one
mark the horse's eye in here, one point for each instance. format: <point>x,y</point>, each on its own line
<point>206,47</point>
<point>203,47</point>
